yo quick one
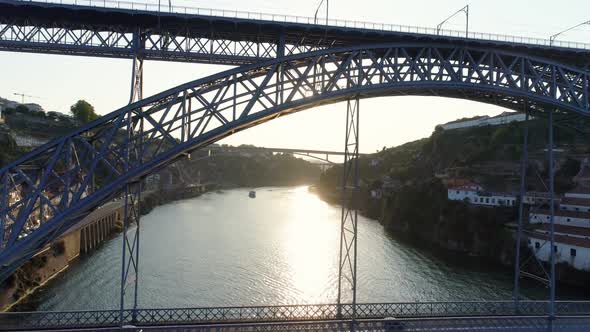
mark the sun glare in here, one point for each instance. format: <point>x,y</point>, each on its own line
<point>312,239</point>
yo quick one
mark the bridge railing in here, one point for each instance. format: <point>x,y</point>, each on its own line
<point>512,323</point>
<point>66,319</point>
<point>151,7</point>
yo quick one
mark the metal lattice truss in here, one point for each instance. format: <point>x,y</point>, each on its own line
<point>121,42</point>
<point>51,189</point>
<point>347,267</point>
<point>208,315</point>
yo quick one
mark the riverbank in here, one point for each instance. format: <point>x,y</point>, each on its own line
<point>84,239</point>
<point>421,216</point>
<point>226,249</point>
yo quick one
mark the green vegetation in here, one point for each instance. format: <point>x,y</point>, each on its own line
<point>32,121</point>
<point>416,204</point>
<point>9,150</point>
<point>83,111</point>
<point>253,169</point>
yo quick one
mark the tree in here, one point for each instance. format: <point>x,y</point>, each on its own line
<point>83,111</point>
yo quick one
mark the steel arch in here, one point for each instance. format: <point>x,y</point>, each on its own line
<point>49,190</point>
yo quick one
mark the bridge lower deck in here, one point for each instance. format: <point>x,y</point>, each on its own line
<point>480,324</point>
<point>416,316</point>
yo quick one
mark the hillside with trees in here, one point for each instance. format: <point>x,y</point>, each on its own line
<point>413,202</point>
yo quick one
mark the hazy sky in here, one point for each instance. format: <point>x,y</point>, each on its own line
<point>59,81</point>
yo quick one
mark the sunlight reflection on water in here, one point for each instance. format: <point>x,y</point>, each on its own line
<point>226,249</point>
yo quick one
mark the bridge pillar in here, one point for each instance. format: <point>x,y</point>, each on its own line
<point>551,219</point>
<point>523,167</point>
<point>130,254</point>
<point>131,211</point>
<point>349,216</point>
<point>137,69</point>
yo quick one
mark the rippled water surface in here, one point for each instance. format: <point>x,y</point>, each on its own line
<point>225,249</point>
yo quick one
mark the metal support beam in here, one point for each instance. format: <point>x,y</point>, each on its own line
<point>136,80</point>
<point>552,219</point>
<point>130,251</point>
<point>516,293</point>
<point>347,267</point>
<point>137,69</point>
<point>386,70</point>
<point>132,213</point>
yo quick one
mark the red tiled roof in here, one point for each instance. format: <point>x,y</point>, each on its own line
<point>580,231</point>
<point>579,190</point>
<point>563,213</point>
<point>574,241</point>
<point>464,188</point>
<point>583,175</point>
<point>575,201</point>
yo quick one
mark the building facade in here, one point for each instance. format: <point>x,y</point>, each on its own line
<point>504,118</point>
<point>571,231</point>
<point>474,194</point>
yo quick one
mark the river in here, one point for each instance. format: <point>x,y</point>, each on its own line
<point>226,249</point>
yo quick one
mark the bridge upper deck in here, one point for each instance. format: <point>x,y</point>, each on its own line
<point>227,37</point>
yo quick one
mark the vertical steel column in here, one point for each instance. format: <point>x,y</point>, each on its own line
<point>280,70</point>
<point>137,69</point>
<point>349,215</point>
<point>552,218</point>
<point>131,210</point>
<point>136,80</point>
<point>130,254</point>
<point>515,294</point>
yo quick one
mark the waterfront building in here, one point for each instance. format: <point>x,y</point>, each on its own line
<point>572,245</point>
<point>504,118</point>
<point>571,231</point>
<point>474,194</point>
<point>539,198</point>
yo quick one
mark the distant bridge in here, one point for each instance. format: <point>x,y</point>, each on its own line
<point>321,155</point>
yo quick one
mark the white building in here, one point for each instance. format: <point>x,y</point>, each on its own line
<point>538,197</point>
<point>569,203</point>
<point>571,231</point>
<point>504,118</point>
<point>572,245</point>
<point>561,217</point>
<point>473,195</point>
<point>28,140</point>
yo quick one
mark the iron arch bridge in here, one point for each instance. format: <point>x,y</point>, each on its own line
<point>50,189</point>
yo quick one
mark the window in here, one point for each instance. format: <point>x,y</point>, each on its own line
<point>573,252</point>
<point>535,216</point>
<point>493,201</point>
<point>529,241</point>
<point>554,248</point>
<point>577,209</point>
<point>568,219</point>
<point>487,200</point>
<point>537,245</point>
<point>457,191</point>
